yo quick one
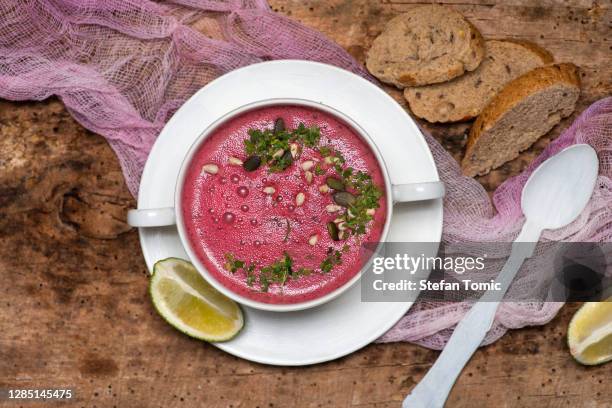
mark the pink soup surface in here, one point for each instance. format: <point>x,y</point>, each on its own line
<point>229,212</point>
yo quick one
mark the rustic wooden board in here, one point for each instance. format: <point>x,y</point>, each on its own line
<point>74,305</point>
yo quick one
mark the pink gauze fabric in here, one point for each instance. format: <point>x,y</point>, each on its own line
<point>123,67</point>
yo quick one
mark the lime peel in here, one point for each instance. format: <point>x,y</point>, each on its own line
<point>191,305</point>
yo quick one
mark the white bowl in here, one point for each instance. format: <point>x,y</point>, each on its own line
<point>173,215</point>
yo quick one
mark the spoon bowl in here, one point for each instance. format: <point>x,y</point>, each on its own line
<point>559,189</point>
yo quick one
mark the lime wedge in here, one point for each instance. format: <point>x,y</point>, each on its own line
<point>190,304</point>
<point>589,335</point>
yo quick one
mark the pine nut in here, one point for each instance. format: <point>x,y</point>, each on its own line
<point>234,161</point>
<point>278,153</point>
<point>299,199</point>
<point>307,165</point>
<point>210,168</point>
<point>332,208</point>
<point>308,176</point>
<point>295,150</point>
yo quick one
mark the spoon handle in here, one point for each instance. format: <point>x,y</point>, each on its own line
<point>434,388</point>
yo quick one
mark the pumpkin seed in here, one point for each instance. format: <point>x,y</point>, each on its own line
<point>335,183</point>
<point>344,198</point>
<point>332,229</point>
<point>279,125</point>
<point>252,163</point>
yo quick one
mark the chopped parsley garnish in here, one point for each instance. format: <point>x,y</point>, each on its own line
<point>332,259</point>
<point>325,151</point>
<point>308,135</point>
<point>366,193</point>
<point>366,199</point>
<point>279,271</point>
<point>339,160</point>
<point>273,148</point>
<point>250,273</point>
<point>301,272</point>
<point>232,264</point>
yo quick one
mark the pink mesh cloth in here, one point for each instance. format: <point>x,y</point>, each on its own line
<point>469,216</point>
<point>122,67</point>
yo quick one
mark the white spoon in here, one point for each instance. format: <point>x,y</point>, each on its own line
<point>554,196</point>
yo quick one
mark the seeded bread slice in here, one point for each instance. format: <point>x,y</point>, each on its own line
<point>525,109</point>
<point>428,44</point>
<point>465,97</point>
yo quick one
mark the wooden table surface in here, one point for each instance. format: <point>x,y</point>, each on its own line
<point>74,305</point>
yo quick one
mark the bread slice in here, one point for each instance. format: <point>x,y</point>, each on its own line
<point>426,45</point>
<point>525,109</point>
<point>465,97</point>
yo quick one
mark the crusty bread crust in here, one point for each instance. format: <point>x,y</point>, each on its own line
<point>531,83</point>
<point>477,44</point>
<point>428,44</point>
<point>523,86</point>
<point>545,56</point>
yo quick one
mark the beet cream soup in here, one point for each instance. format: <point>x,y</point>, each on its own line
<point>278,200</point>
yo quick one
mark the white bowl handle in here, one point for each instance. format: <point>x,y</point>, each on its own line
<point>403,193</point>
<point>155,217</point>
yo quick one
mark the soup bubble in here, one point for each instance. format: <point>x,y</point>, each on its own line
<point>242,191</point>
<point>229,218</point>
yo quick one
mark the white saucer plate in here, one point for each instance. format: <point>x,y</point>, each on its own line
<point>345,324</point>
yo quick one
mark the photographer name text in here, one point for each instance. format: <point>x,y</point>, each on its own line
<point>424,284</point>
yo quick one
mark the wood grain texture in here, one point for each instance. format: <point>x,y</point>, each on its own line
<point>73,292</point>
